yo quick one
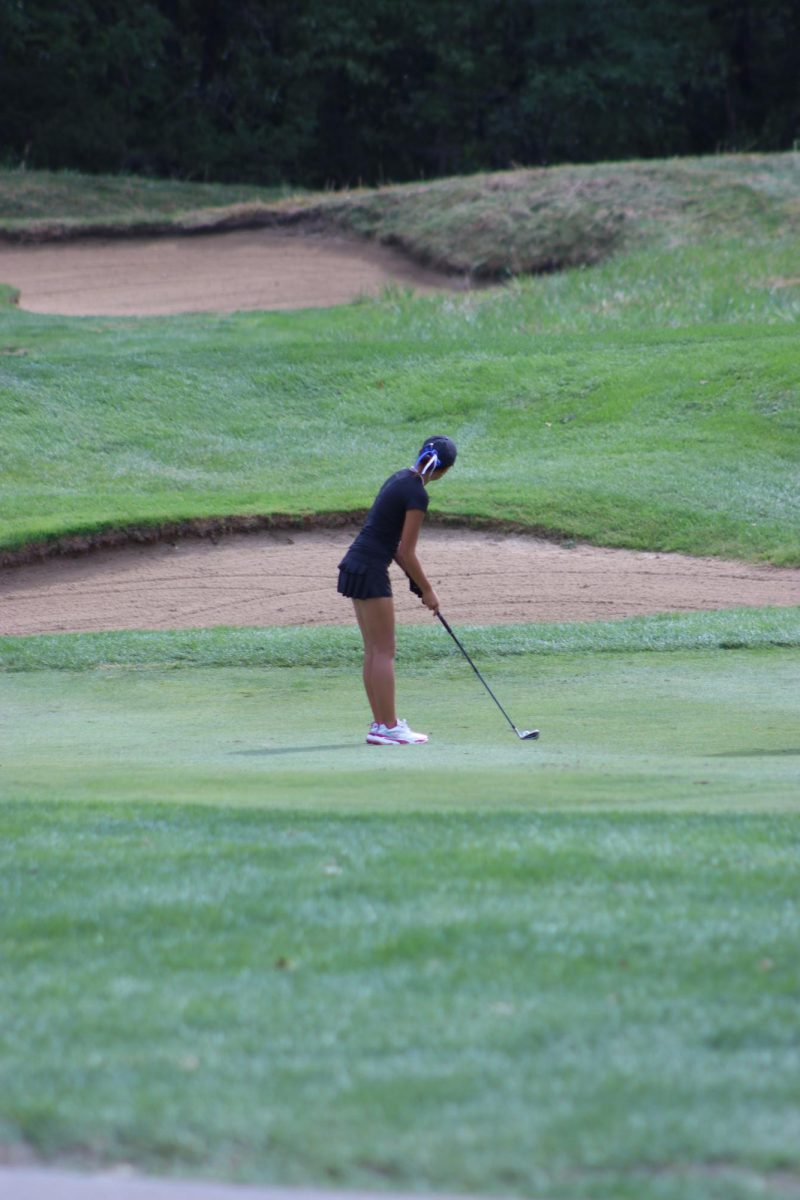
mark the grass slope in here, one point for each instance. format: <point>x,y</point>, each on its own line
<point>49,205</point>
<point>563,968</point>
<point>513,222</point>
<point>679,439</point>
<point>652,401</point>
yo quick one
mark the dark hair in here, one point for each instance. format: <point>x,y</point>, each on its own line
<point>442,448</point>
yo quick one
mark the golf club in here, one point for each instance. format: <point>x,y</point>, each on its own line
<point>525,734</point>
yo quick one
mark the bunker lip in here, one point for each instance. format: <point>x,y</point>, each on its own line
<point>283,572</point>
<point>120,537</point>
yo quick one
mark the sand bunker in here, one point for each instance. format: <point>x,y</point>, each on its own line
<point>289,578</point>
<point>215,272</point>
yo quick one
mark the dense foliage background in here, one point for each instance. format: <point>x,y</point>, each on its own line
<point>323,92</point>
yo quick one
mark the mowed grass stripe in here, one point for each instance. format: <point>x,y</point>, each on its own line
<point>341,646</point>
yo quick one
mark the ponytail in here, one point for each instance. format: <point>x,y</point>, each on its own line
<point>429,456</point>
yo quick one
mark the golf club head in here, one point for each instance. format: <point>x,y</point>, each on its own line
<point>528,734</point>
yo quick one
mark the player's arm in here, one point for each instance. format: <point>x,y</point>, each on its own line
<point>406,557</point>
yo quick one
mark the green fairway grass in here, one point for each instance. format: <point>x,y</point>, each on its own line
<point>530,1003</point>
<point>731,629</point>
<point>237,941</point>
<point>648,729</point>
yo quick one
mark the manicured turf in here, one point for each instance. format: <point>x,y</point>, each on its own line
<point>642,729</point>
<point>744,628</point>
<point>536,1003</point>
<point>237,941</point>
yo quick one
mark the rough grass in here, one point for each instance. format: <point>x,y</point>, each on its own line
<point>489,225</point>
<point>524,221</point>
<point>48,205</point>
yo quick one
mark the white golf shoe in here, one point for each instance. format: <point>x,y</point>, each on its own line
<point>397,735</point>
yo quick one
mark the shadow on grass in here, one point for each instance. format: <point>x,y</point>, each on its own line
<point>294,749</point>
<point>754,753</point>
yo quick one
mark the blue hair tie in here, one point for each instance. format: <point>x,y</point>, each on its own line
<point>430,453</point>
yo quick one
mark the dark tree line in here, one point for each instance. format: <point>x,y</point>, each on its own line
<point>342,91</point>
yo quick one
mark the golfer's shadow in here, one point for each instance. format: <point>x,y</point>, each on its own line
<point>754,753</point>
<point>268,751</point>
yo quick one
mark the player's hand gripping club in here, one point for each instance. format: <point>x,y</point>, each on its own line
<point>428,598</point>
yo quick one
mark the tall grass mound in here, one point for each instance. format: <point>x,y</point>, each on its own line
<point>547,219</point>
<point>487,226</point>
<point>47,206</point>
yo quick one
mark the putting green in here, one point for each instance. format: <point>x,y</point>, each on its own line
<point>696,730</point>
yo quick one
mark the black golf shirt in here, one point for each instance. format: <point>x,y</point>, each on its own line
<point>380,536</point>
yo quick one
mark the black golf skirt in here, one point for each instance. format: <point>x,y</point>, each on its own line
<point>365,581</point>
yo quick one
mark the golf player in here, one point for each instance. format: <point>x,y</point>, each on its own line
<point>389,533</point>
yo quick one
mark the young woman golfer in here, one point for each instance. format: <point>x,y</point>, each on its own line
<point>390,532</point>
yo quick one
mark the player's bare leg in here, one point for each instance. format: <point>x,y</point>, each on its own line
<point>376,622</point>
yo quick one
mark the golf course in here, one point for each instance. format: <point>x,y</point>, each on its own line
<point>236,942</point>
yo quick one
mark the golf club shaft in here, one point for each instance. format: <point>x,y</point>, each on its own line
<point>477,672</point>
